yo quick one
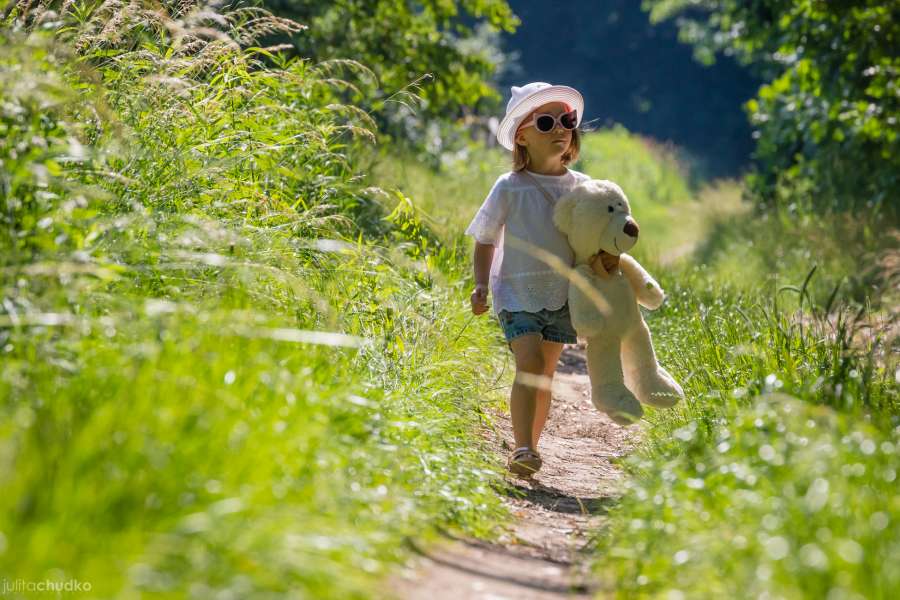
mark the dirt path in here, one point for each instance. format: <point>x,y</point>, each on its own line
<point>540,557</point>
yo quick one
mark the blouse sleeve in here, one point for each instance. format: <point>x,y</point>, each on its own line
<point>489,219</point>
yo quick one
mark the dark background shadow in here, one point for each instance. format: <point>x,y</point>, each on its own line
<point>635,74</point>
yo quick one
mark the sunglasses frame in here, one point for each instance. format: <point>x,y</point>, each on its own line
<point>557,121</point>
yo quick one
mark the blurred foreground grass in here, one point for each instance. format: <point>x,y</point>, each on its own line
<point>228,369</point>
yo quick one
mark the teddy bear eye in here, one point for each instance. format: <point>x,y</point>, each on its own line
<point>610,209</point>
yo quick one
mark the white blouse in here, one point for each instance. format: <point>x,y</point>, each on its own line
<point>516,208</point>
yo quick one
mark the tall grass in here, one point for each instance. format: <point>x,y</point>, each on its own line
<point>777,475</point>
<point>779,246</point>
<point>228,367</point>
<point>780,499</point>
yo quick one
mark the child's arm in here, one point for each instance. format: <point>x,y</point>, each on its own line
<point>486,227</point>
<point>484,255</point>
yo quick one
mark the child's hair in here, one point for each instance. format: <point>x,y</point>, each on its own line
<point>520,156</point>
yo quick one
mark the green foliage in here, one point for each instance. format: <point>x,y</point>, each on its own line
<point>776,475</point>
<point>782,499</point>
<point>778,247</point>
<point>827,118</point>
<point>434,60</point>
<point>36,145</point>
<point>228,368</point>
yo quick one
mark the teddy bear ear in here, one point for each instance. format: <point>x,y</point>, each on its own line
<point>562,212</point>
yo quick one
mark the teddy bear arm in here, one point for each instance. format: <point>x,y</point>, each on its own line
<point>646,290</point>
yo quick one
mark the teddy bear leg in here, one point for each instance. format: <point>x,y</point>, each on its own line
<point>617,402</point>
<point>644,376</point>
<point>608,391</point>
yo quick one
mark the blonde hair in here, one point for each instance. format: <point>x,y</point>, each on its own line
<point>520,157</point>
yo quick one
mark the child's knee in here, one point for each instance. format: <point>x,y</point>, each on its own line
<point>532,363</point>
<point>529,358</point>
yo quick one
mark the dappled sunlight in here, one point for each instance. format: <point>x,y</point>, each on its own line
<point>238,358</point>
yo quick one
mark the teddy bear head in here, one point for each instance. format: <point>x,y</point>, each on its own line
<point>595,215</point>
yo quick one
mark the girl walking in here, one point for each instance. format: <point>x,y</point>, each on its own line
<point>530,297</point>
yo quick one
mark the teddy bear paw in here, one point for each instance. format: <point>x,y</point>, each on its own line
<point>657,388</point>
<point>618,403</point>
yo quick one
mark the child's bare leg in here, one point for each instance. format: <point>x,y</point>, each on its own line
<point>551,352</point>
<point>529,377</point>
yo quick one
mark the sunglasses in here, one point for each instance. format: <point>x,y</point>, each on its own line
<point>545,122</point>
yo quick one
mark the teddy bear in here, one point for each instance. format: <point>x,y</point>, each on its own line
<point>596,218</point>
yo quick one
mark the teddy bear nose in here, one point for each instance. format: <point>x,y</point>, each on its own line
<point>631,229</point>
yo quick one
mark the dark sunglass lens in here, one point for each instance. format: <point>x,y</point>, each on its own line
<point>544,123</point>
<point>568,120</point>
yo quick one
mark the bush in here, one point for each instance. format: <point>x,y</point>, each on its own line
<point>827,118</point>
<point>432,62</point>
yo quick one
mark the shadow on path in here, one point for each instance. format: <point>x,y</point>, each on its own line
<point>557,500</point>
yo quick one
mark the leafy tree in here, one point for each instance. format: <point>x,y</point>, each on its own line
<point>430,49</point>
<point>827,120</point>
<point>637,74</point>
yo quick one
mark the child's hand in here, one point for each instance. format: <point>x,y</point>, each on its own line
<point>603,264</point>
<point>479,299</point>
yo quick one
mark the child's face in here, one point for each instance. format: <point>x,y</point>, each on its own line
<point>545,145</point>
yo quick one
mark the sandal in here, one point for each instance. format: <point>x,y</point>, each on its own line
<point>524,461</point>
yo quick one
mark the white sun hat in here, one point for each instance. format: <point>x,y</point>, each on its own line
<point>527,98</point>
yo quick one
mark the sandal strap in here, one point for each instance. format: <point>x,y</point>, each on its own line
<point>523,451</point>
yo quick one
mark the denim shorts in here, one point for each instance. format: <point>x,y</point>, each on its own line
<point>553,325</point>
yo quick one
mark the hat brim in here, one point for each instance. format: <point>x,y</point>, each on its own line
<point>506,131</point>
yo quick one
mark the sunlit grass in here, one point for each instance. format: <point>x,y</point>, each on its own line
<point>776,475</point>
<point>781,498</point>
<point>228,369</point>
<point>781,246</point>
<point>232,367</point>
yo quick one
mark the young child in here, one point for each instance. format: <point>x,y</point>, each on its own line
<point>530,297</point>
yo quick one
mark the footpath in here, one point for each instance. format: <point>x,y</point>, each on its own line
<point>542,554</point>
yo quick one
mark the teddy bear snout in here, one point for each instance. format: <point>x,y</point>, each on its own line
<point>631,228</point>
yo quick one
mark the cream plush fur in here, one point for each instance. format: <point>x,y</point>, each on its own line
<point>622,365</point>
